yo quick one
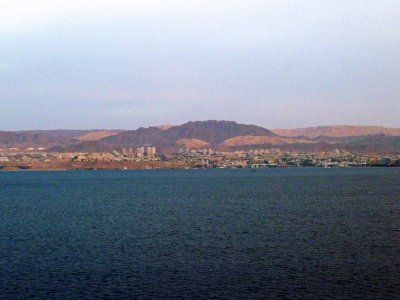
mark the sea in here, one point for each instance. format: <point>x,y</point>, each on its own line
<point>301,233</point>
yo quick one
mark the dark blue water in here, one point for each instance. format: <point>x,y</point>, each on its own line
<point>275,233</point>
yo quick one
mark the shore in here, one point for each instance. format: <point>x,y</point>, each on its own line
<point>91,165</point>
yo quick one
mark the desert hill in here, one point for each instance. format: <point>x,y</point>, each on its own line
<point>249,140</point>
<point>192,134</point>
<point>139,137</point>
<point>337,131</point>
<point>97,135</point>
<point>165,126</point>
<point>192,143</point>
<point>223,135</point>
<point>213,132</point>
<point>39,138</point>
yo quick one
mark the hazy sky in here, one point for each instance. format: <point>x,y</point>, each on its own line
<point>125,64</point>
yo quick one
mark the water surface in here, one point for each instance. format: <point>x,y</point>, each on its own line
<point>293,233</point>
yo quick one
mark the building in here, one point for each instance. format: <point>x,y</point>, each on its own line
<point>140,152</point>
<point>150,151</point>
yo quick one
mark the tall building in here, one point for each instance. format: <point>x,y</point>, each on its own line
<point>151,151</point>
<point>140,152</point>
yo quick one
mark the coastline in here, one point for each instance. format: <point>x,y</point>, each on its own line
<point>177,167</point>
<point>69,165</point>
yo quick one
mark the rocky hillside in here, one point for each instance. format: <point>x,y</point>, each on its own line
<point>192,134</point>
<point>337,131</point>
<point>223,135</point>
<point>39,138</point>
<point>213,132</point>
<point>97,135</point>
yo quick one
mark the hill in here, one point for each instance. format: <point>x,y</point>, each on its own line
<point>97,135</point>
<point>192,143</point>
<point>223,135</point>
<point>250,140</point>
<point>337,131</point>
<point>192,134</point>
<point>39,138</point>
<point>213,132</point>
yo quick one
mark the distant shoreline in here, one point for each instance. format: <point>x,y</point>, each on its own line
<point>188,168</point>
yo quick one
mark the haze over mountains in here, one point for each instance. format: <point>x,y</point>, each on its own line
<point>223,135</point>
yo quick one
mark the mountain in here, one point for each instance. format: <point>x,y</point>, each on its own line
<point>97,135</point>
<point>222,135</point>
<point>249,140</point>
<point>192,135</point>
<point>213,132</point>
<point>357,139</point>
<point>87,146</point>
<point>140,137</point>
<point>192,144</point>
<point>130,138</point>
<point>39,138</point>
<point>337,131</point>
<point>373,144</point>
<point>165,126</point>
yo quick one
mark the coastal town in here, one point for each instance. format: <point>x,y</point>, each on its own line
<point>186,158</point>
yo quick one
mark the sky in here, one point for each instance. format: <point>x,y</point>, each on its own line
<point>120,64</point>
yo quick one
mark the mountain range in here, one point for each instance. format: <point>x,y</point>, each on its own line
<point>223,135</point>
